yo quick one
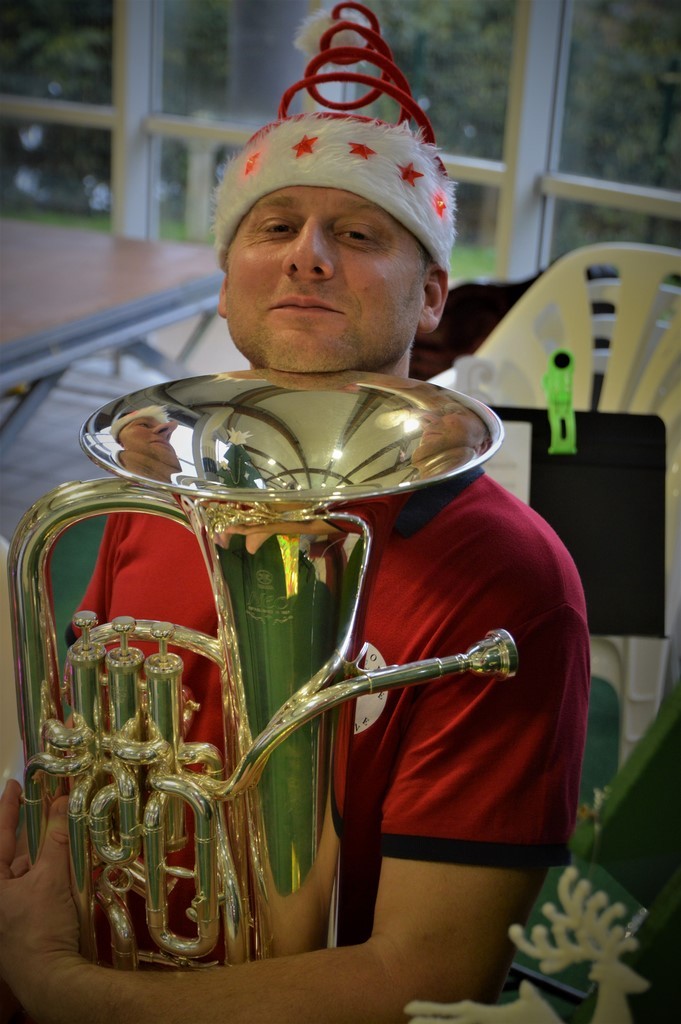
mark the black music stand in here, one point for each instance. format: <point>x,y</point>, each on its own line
<point>607,503</point>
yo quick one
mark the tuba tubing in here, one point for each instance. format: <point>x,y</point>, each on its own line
<point>496,656</point>
<point>151,812</point>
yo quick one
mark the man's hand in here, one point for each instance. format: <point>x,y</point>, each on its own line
<point>257,535</point>
<point>13,861</point>
<point>38,922</point>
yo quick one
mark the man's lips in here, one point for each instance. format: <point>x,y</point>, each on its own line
<point>302,304</point>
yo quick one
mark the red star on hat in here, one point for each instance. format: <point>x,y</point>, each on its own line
<point>305,145</point>
<point>251,162</point>
<point>409,174</point>
<point>440,204</point>
<point>358,149</point>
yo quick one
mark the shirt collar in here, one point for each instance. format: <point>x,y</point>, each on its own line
<point>423,505</point>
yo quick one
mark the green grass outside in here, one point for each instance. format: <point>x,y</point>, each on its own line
<point>88,222</point>
<point>470,262</point>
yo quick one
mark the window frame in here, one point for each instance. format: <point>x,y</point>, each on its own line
<point>526,179</point>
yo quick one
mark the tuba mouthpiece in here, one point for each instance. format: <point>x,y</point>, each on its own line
<point>496,655</point>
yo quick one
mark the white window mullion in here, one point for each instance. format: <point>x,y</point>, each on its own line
<point>132,150</point>
<point>556,135</point>
<point>528,135</point>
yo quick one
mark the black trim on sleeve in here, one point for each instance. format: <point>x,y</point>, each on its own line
<point>463,851</point>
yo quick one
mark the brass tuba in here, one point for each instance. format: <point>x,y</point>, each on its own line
<point>290,486</point>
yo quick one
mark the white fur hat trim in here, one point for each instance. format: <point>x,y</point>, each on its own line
<point>152,412</point>
<point>387,164</point>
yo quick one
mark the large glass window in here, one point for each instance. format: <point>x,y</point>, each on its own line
<point>623,100</point>
<point>457,58</point>
<point>577,224</point>
<point>57,49</point>
<point>474,253</point>
<point>56,172</point>
<point>190,171</point>
<point>195,58</point>
<point>229,59</point>
<point>621,121</point>
<point>52,51</point>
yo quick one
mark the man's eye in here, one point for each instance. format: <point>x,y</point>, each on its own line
<point>278,228</point>
<point>360,234</point>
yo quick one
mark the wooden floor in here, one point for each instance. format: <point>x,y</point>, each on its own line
<point>47,452</point>
<point>77,274</point>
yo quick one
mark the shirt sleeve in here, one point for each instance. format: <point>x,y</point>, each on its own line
<point>488,770</point>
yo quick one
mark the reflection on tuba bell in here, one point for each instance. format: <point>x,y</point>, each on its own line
<point>290,490</point>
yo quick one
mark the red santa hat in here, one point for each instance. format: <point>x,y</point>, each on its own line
<point>393,165</point>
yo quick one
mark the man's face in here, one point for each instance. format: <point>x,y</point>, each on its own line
<point>457,430</point>
<point>147,448</point>
<point>320,280</point>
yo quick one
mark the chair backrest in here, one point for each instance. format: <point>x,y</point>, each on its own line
<point>615,307</point>
<point>472,311</point>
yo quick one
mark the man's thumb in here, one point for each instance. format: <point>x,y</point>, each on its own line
<point>57,832</point>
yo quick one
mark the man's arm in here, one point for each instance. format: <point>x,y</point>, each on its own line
<point>439,933</point>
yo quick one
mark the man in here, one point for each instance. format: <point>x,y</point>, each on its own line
<point>146,449</point>
<point>455,435</point>
<point>334,234</point>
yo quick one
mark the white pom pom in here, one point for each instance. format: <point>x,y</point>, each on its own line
<point>311,31</point>
<point>315,25</point>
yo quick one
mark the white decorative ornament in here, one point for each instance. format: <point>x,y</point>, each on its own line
<point>584,931</point>
<point>238,436</point>
<point>368,709</point>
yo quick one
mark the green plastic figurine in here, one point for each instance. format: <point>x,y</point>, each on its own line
<point>557,383</point>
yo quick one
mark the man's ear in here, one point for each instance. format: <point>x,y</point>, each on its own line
<point>436,290</point>
<point>222,299</point>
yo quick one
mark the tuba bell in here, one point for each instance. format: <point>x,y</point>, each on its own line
<point>187,851</point>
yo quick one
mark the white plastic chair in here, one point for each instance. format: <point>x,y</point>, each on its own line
<point>617,311</point>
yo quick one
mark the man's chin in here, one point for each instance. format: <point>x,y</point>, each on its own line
<point>307,356</point>
<point>311,362</point>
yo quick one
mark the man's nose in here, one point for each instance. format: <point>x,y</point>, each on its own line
<point>309,254</point>
<point>165,429</point>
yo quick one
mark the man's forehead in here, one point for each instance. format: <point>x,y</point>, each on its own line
<point>304,196</point>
